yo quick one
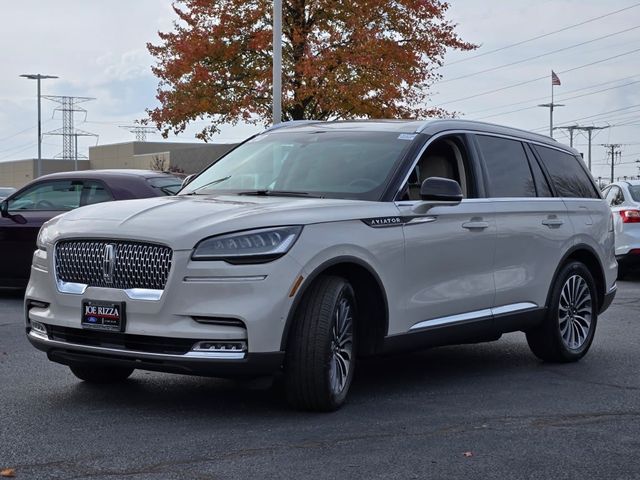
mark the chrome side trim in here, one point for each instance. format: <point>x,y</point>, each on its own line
<point>613,288</point>
<point>137,354</point>
<point>418,220</point>
<point>475,315</point>
<point>453,319</point>
<point>514,307</point>
<point>252,278</point>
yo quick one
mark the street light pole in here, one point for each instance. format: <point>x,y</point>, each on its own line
<point>38,77</point>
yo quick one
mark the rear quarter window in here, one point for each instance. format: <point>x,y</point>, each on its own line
<point>569,178</point>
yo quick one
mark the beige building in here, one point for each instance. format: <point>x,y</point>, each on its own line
<point>167,156</point>
<point>17,173</point>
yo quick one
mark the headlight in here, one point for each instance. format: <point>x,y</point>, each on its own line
<point>251,246</point>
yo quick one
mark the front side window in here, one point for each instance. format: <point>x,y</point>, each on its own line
<point>333,164</point>
<point>567,175</point>
<point>445,158</point>
<point>507,167</point>
<point>58,195</point>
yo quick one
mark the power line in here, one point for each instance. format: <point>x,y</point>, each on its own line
<point>563,99</point>
<point>526,82</point>
<point>524,102</point>
<point>522,42</point>
<point>592,116</point>
<point>537,56</point>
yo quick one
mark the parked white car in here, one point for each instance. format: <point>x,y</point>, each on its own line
<point>315,243</point>
<point>624,200</point>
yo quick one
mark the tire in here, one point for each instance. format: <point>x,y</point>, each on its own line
<point>320,357</point>
<point>101,373</point>
<point>572,315</point>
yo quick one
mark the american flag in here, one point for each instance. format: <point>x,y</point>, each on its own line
<point>555,80</point>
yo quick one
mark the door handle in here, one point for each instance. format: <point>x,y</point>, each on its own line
<point>475,225</point>
<point>552,222</point>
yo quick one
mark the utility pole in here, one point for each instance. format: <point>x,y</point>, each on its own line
<point>277,61</point>
<point>612,151</point>
<point>570,129</point>
<point>589,131</point>
<point>38,77</point>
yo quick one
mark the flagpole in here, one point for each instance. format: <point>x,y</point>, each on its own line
<point>551,112</point>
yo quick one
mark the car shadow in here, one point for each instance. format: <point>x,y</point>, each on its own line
<point>436,371</point>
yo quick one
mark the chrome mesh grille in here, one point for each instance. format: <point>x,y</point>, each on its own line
<point>135,265</point>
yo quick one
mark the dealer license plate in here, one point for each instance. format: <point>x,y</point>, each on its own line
<point>108,316</point>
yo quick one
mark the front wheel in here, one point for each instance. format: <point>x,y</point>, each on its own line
<point>100,373</point>
<point>320,356</point>
<point>570,323</point>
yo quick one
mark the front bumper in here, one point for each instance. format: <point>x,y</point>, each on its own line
<point>198,299</point>
<point>191,363</point>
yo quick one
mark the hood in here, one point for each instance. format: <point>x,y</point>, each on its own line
<point>182,221</point>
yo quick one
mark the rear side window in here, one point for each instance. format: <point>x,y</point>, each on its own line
<point>95,192</point>
<point>507,167</point>
<point>567,175</point>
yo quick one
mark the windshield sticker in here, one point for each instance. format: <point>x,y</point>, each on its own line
<point>407,136</point>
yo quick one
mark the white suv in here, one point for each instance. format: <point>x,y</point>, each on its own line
<point>624,199</point>
<point>315,243</point>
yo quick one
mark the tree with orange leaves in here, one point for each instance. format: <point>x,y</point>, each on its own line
<point>341,59</point>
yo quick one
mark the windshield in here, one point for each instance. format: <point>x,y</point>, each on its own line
<point>634,190</point>
<point>320,163</point>
<point>6,191</point>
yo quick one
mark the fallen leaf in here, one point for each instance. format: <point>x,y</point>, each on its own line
<point>468,454</point>
<point>7,472</point>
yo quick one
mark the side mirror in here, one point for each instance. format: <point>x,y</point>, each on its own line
<point>4,212</point>
<point>187,180</point>
<point>438,192</point>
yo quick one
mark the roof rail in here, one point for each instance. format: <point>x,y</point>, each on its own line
<point>290,123</point>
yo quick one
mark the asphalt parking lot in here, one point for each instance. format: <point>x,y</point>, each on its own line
<point>479,411</point>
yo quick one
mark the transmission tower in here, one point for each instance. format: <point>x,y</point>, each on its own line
<point>68,107</point>
<point>140,131</point>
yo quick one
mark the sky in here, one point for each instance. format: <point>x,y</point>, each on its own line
<point>98,49</point>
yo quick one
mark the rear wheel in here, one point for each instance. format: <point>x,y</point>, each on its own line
<point>101,373</point>
<point>320,355</point>
<point>570,323</point>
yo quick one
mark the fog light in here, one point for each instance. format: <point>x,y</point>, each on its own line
<point>39,330</point>
<point>220,346</point>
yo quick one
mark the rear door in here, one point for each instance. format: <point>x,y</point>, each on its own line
<point>533,228</point>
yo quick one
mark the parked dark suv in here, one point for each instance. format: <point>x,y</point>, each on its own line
<point>24,211</point>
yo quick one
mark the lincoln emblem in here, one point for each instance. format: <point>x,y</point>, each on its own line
<point>108,262</point>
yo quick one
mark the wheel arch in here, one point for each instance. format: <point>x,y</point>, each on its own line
<point>586,255</point>
<point>371,298</point>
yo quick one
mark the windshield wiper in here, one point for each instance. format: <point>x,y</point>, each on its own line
<point>219,180</point>
<point>279,193</point>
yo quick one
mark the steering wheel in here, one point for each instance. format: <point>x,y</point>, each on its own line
<point>45,205</point>
<point>364,182</point>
